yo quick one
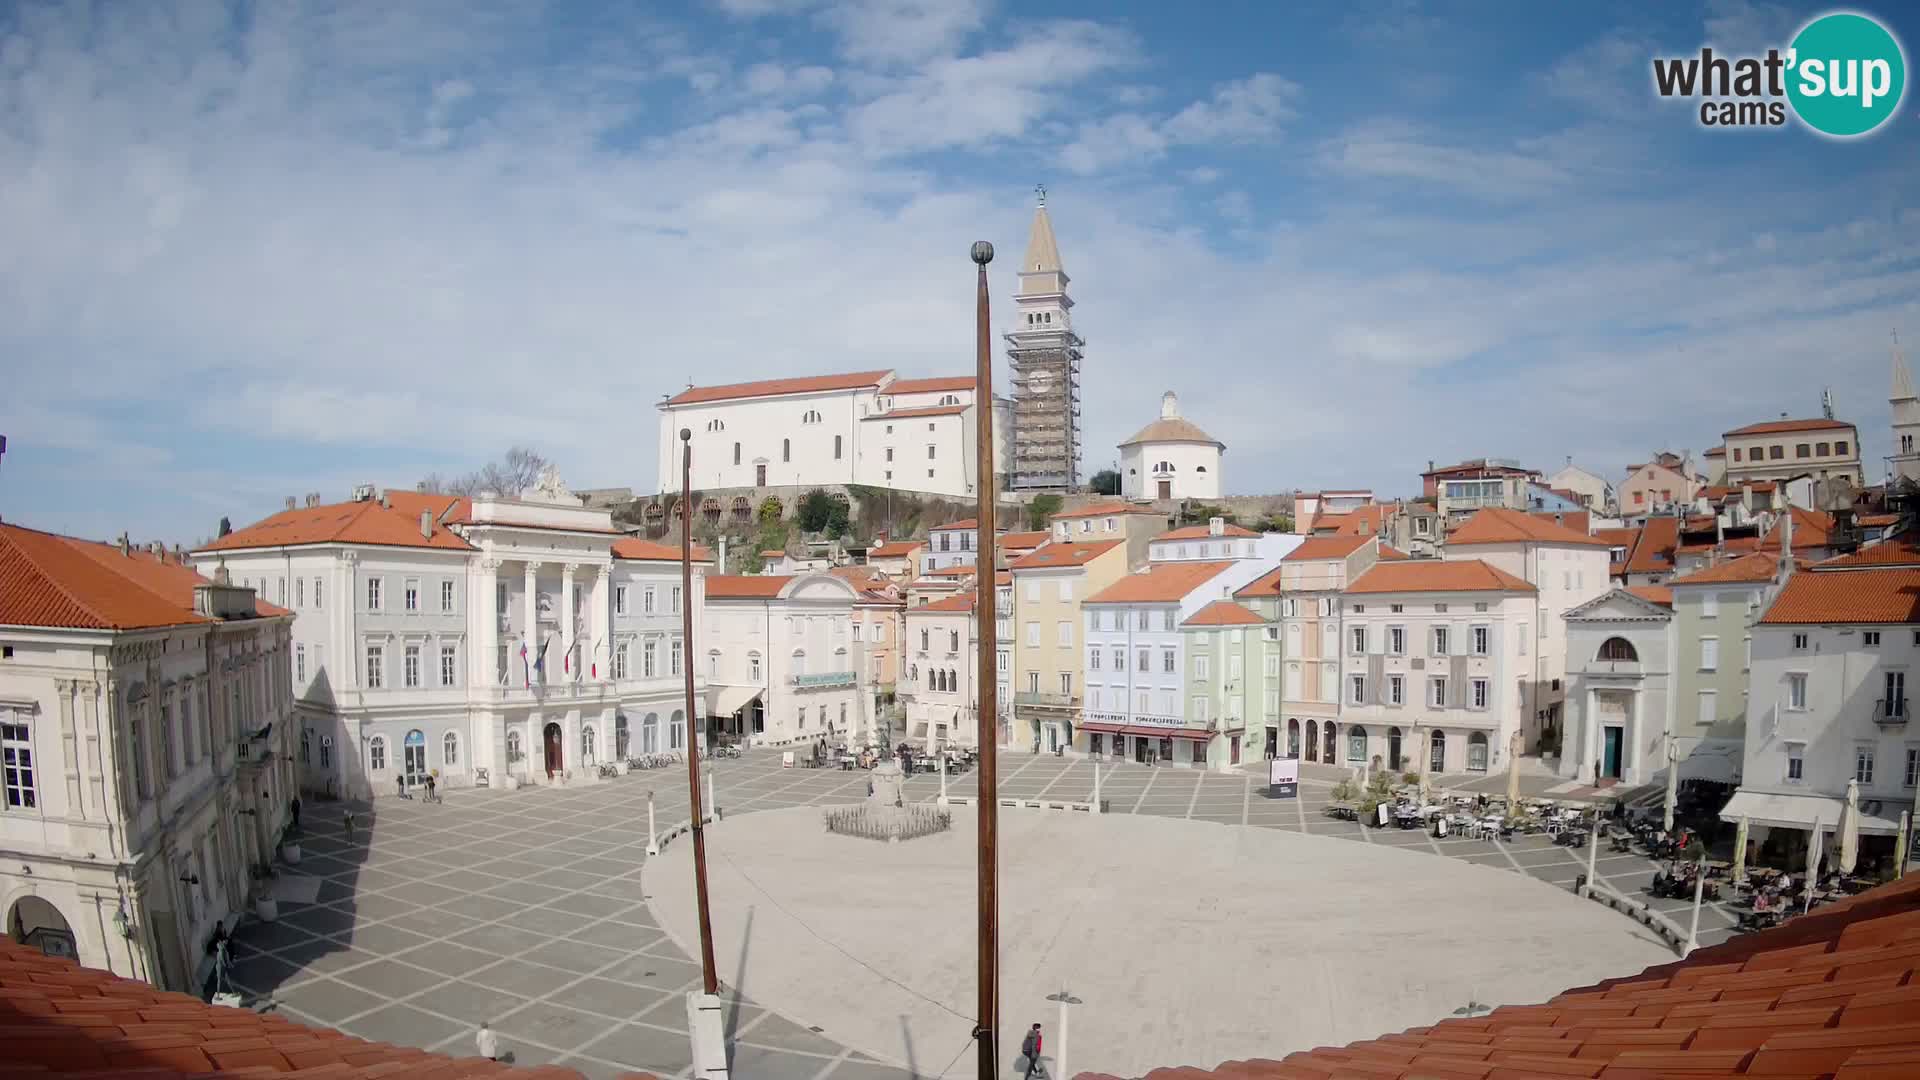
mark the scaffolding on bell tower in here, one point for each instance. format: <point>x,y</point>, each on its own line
<point>1043,352</point>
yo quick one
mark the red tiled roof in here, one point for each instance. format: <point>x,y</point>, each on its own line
<point>930,386</point>
<point>1774,427</point>
<point>746,587</point>
<point>1062,554</point>
<point>1876,520</point>
<point>1359,521</point>
<point>1755,569</point>
<point>1223,613</point>
<point>1202,532</point>
<point>1495,525</point>
<point>1389,553</point>
<point>1828,995</point>
<point>895,549</point>
<point>1018,541</point>
<point>1326,547</point>
<point>356,523</point>
<point>1267,584</point>
<point>1901,550</point>
<point>1811,529</point>
<point>1723,492</point>
<point>1481,465</point>
<point>1655,594</point>
<point>59,1019</point>
<point>957,602</point>
<point>1717,451</point>
<point>1101,509</point>
<point>1435,575</point>
<point>641,550</point>
<point>963,523</point>
<point>951,571</point>
<point>1160,583</point>
<point>1824,597</point>
<point>1577,520</point>
<point>774,553</point>
<point>923,410</point>
<point>59,581</point>
<point>813,384</point>
<point>1653,552</point>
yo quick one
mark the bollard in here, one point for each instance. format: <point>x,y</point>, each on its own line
<point>943,779</point>
<point>1593,848</point>
<point>1699,890</point>
<point>1099,805</point>
<point>653,833</point>
<point>709,812</point>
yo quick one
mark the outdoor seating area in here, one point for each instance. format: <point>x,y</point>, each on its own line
<point>912,760</point>
<point>1444,813</point>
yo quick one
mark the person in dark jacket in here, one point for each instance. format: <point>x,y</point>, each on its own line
<point>1030,1051</point>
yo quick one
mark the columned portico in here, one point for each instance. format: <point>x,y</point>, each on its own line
<point>568,670</point>
<point>530,629</point>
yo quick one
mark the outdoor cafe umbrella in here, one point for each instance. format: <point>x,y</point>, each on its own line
<point>1740,851</point>
<point>1813,860</point>
<point>1900,846</point>
<point>1513,774</point>
<point>1673,782</point>
<point>1850,829</point>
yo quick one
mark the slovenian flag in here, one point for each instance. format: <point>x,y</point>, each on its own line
<point>540,662</point>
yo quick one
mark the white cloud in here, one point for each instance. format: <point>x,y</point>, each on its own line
<point>1399,152</point>
<point>903,31</point>
<point>773,79</point>
<point>1249,109</point>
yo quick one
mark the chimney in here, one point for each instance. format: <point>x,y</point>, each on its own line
<point>124,546</point>
<point>1786,536</point>
<point>220,573</point>
<point>1746,496</point>
<point>421,487</point>
<point>156,548</point>
<point>1216,526</point>
<point>291,502</point>
<point>385,503</point>
<point>1559,518</point>
<point>426,524</point>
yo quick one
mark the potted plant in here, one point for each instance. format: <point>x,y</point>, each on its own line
<point>289,848</point>
<point>511,782</point>
<point>265,907</point>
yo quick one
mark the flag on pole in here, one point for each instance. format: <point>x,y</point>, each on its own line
<point>566,661</point>
<point>540,661</point>
<point>526,671</point>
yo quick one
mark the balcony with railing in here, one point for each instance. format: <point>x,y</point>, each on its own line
<point>824,680</point>
<point>1891,712</point>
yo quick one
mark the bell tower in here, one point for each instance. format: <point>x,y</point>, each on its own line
<point>1904,463</point>
<point>1044,356</point>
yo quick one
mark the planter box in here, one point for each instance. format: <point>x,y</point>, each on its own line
<point>290,854</point>
<point>266,909</point>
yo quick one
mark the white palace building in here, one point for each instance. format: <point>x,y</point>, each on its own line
<point>472,638</point>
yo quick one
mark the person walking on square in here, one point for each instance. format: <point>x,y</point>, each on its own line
<point>487,1043</point>
<point>346,819</point>
<point>293,808</point>
<point>400,783</point>
<point>1030,1052</point>
<point>432,795</point>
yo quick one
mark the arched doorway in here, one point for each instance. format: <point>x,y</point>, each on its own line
<point>620,736</point>
<point>413,755</point>
<point>650,734</point>
<point>555,757</point>
<point>1313,740</point>
<point>1437,752</point>
<point>1477,752</point>
<point>1393,749</point>
<point>37,924</point>
<point>1328,753</point>
<point>1293,737</point>
<point>677,730</point>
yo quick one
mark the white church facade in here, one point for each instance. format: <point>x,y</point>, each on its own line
<point>1171,458</point>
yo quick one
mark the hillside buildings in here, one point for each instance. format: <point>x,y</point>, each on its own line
<point>144,719</point>
<point>1823,448</point>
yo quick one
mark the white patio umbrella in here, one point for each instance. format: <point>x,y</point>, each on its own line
<point>1673,782</point>
<point>1850,829</point>
<point>1513,774</point>
<point>1813,861</point>
<point>1740,851</point>
<point>1900,846</point>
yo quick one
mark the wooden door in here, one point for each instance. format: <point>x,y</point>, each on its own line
<point>1166,489</point>
<point>554,754</point>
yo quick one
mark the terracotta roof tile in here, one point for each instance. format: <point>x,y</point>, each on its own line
<point>923,410</point>
<point>1326,547</point>
<point>1223,613</point>
<point>1016,541</point>
<point>937,385</point>
<point>1058,554</point>
<point>1752,569</point>
<point>1656,594</point>
<point>895,549</point>
<point>1202,532</point>
<point>958,602</point>
<point>745,586</point>
<point>1101,509</point>
<point>1389,553</point>
<point>813,384</point>
<point>1811,529</point>
<point>52,580</point>
<point>1160,583</point>
<point>1826,597</point>
<point>1495,525</point>
<point>1901,550</point>
<point>637,549</point>
<point>1577,520</point>
<point>1653,552</point>
<point>365,522</point>
<point>1435,575</point>
<point>1774,427</point>
<point>963,523</point>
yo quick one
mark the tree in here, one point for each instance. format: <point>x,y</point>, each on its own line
<point>814,511</point>
<point>226,526</point>
<point>1040,509</point>
<point>1105,482</point>
<point>512,476</point>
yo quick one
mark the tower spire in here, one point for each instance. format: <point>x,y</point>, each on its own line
<point>1902,379</point>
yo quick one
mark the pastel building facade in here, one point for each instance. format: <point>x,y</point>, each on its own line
<point>783,657</point>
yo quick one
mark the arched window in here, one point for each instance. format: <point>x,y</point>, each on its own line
<point>811,416</point>
<point>587,744</point>
<point>953,680</point>
<point>1161,468</point>
<point>716,425</point>
<point>950,399</point>
<point>953,640</point>
<point>450,749</point>
<point>1618,648</point>
<point>514,751</point>
<point>650,734</point>
<point>836,448</point>
<point>913,673</point>
<point>1356,743</point>
<point>799,661</point>
<point>1437,752</point>
<point>677,729</point>
<point>1293,737</point>
<point>306,743</point>
<point>753,666</point>
<point>620,736</point>
<point>786,449</point>
<point>736,453</point>
<point>377,754</point>
<point>925,637</point>
<point>1477,752</point>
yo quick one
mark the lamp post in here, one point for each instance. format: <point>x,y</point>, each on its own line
<point>987,1006</point>
<point>704,1020</point>
<point>1060,1056</point>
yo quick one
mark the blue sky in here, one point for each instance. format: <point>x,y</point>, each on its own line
<point>254,252</point>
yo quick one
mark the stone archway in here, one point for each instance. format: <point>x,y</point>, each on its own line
<point>36,923</point>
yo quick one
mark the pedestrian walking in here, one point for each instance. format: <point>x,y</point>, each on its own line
<point>433,795</point>
<point>486,1042</point>
<point>346,819</point>
<point>400,783</point>
<point>1030,1052</point>
<point>293,808</point>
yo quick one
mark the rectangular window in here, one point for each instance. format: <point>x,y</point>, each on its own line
<point>1796,763</point>
<point>1397,639</point>
<point>1166,661</point>
<point>1797,691</point>
<point>446,596</point>
<point>1709,707</point>
<point>1709,654</point>
<point>1359,688</point>
<point>1066,682</point>
<point>1911,777</point>
<point>1141,617</point>
<point>1200,710</point>
<point>1523,639</point>
<point>673,657</point>
<point>1480,693</point>
<point>1063,633</point>
<point>1396,690</point>
<point>376,663</point>
<point>1146,664</point>
<point>16,747</point>
<point>620,661</point>
<point>1870,638</point>
<point>500,598</point>
<point>1359,640</point>
<point>1863,764</point>
<point>299,592</point>
<point>929,452</point>
<point>410,671</point>
<point>650,660</point>
<point>1440,641</point>
<point>299,663</point>
<point>1776,452</point>
<point>619,599</point>
<point>1746,645</point>
<point>1033,633</point>
<point>449,671</point>
<point>1895,702</point>
<point>1093,659</point>
<point>413,594</point>
<point>1066,589</point>
<point>646,600</point>
<point>1119,660</point>
<point>1166,620</point>
<point>1033,590</point>
<point>1801,450</point>
<point>1439,697</point>
<point>1202,667</point>
<point>1710,606</point>
<point>1799,643</point>
<point>373,594</point>
<point>1481,634</point>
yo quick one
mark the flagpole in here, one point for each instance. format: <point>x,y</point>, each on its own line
<point>987,715</point>
<point>708,980</point>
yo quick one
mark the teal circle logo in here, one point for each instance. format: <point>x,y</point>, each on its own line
<point>1846,74</point>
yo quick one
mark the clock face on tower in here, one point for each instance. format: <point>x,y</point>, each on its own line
<point>1039,381</point>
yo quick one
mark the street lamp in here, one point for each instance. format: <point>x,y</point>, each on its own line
<point>1060,1057</point>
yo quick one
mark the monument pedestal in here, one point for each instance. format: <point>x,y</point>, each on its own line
<point>706,1025</point>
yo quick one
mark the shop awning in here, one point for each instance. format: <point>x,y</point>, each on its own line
<point>1794,811</point>
<point>1168,733</point>
<point>727,700</point>
<point>1103,729</point>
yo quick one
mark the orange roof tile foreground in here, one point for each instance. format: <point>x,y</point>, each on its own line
<point>51,580</point>
<point>959,602</point>
<point>1653,594</point>
<point>1326,547</point>
<point>1755,569</point>
<point>1223,613</point>
<point>813,384</point>
<point>1901,550</point>
<point>365,522</point>
<point>1435,575</point>
<point>1499,526</point>
<point>923,410</point>
<point>1811,529</point>
<point>895,549</point>
<point>1829,995</point>
<point>60,1019</point>
<point>1653,552</point>
<point>1845,596</point>
<point>1160,583</point>
<point>746,587</point>
<point>935,385</point>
